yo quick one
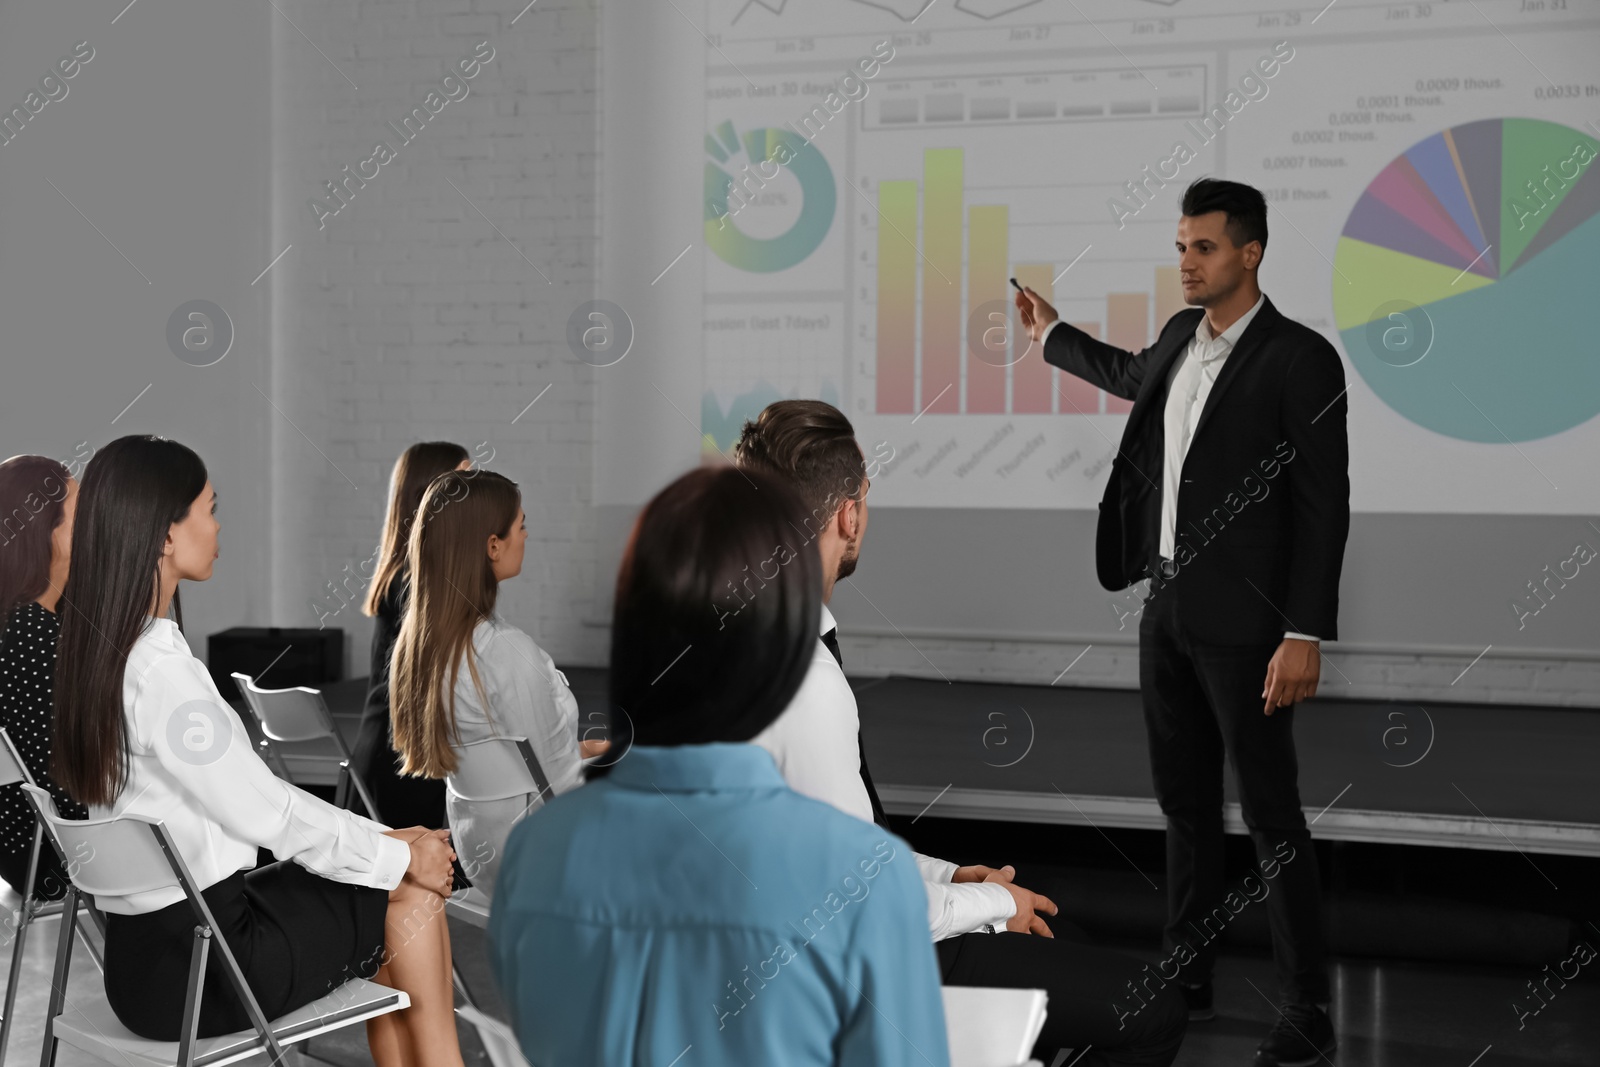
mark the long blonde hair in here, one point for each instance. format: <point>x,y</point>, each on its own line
<point>453,588</point>
<point>416,467</point>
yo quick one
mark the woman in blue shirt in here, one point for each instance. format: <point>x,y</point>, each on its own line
<point>688,899</point>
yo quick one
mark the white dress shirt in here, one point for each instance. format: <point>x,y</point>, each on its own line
<point>1189,383</point>
<point>523,696</point>
<point>193,767</point>
<point>814,743</point>
<point>1193,374</point>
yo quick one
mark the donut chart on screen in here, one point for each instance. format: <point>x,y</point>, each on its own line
<point>1464,284</point>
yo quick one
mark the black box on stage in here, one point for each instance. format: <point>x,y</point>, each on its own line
<point>277,657</point>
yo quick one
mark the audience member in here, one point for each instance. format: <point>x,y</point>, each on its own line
<point>468,538</point>
<point>37,501</point>
<point>142,731</point>
<point>689,898</point>
<point>401,800</point>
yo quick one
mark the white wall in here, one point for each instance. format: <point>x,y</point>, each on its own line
<point>160,144</point>
<point>408,316</point>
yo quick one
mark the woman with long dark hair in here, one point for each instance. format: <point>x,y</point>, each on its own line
<point>37,500</point>
<point>461,673</point>
<point>141,730</point>
<point>649,911</point>
<point>402,800</point>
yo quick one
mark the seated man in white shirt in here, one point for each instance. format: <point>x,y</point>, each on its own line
<point>1113,1007</point>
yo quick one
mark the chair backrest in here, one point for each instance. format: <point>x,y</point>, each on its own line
<point>12,769</point>
<point>297,714</point>
<point>115,856</point>
<point>495,768</point>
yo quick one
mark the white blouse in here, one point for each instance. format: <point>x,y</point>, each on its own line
<point>193,767</point>
<point>523,696</point>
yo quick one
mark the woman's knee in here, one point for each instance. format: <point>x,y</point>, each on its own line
<point>413,912</point>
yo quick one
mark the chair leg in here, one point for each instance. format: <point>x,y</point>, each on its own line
<point>276,759</point>
<point>96,916</point>
<point>360,788</point>
<point>96,953</point>
<point>460,982</point>
<point>25,914</point>
<point>191,1000</point>
<point>301,1054</point>
<point>58,982</point>
<point>24,918</point>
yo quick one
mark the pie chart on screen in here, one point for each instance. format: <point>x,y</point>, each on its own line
<point>1465,281</point>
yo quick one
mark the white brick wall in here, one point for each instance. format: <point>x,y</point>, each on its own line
<point>407,317</point>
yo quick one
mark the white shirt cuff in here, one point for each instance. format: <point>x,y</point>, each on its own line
<point>394,857</point>
<point>996,906</point>
<point>1302,637</point>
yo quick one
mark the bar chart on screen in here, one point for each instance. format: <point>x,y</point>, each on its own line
<point>956,195</point>
<point>999,370</point>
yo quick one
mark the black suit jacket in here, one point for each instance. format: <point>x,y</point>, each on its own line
<point>1264,508</point>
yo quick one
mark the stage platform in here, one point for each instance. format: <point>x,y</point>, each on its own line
<point>1457,775</point>
<point>1465,776</point>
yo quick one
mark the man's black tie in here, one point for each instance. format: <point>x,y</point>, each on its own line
<point>831,639</point>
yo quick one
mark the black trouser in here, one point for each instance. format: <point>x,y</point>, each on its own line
<point>1101,1001</point>
<point>1201,702</point>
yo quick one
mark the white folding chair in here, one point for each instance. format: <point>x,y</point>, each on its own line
<point>131,854</point>
<point>298,715</point>
<point>493,768</point>
<point>13,772</point>
<point>990,1027</point>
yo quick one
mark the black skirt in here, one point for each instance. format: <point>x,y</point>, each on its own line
<point>296,935</point>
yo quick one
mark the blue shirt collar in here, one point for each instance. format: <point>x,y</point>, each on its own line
<point>697,768</point>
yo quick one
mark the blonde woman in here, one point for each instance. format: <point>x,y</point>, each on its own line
<point>461,673</point>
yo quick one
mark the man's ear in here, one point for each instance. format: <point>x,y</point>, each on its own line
<point>849,519</point>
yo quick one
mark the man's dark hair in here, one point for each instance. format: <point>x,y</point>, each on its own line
<point>811,446</point>
<point>1245,206</point>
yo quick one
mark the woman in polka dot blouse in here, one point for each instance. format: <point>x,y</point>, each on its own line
<point>38,498</point>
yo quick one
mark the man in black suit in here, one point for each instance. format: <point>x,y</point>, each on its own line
<point>1230,495</point>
